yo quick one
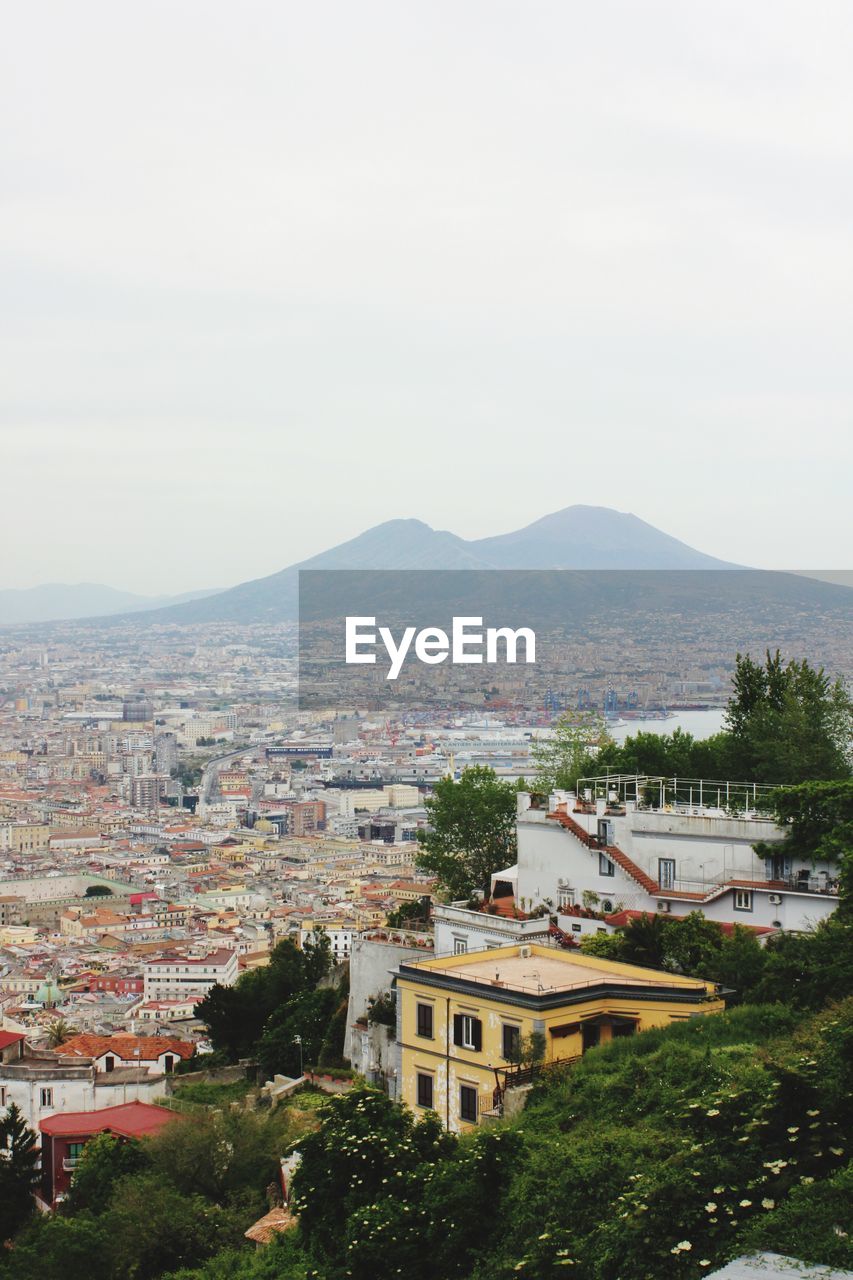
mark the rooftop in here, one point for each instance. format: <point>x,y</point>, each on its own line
<point>539,970</point>
<point>130,1120</point>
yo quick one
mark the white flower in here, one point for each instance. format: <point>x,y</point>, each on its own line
<point>710,1207</point>
<point>715,1111</point>
<point>744,1204</point>
<point>767,1203</point>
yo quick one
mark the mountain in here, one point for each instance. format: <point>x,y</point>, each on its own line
<point>579,537</point>
<point>57,601</point>
<point>590,538</point>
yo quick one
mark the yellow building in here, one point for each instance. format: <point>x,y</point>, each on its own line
<point>465,1020</point>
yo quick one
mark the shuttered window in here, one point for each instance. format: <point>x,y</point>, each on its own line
<point>467,1032</point>
<point>425,1021</point>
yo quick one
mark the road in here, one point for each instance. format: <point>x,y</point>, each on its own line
<point>211,770</point>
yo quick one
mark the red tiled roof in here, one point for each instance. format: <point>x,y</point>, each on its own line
<point>9,1037</point>
<point>620,918</point>
<point>125,1047</point>
<point>130,1120</point>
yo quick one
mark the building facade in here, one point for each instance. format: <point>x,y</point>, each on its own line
<point>466,1022</point>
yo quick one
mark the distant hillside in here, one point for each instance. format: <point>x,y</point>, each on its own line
<point>580,537</point>
<point>57,601</point>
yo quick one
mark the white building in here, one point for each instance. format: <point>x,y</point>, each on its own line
<point>181,977</point>
<point>621,854</point>
<point>42,1083</point>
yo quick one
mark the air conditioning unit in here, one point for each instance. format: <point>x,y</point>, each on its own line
<point>775,898</point>
<point>525,953</point>
<point>663,906</point>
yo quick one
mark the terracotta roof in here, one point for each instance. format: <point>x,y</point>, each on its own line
<point>125,1047</point>
<point>621,918</point>
<point>269,1225</point>
<point>9,1037</point>
<point>130,1120</point>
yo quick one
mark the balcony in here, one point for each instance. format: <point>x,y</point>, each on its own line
<point>70,1163</point>
<point>820,884</point>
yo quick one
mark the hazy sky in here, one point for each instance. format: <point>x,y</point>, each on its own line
<point>274,272</point>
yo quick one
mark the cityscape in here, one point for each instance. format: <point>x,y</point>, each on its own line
<point>426,641</point>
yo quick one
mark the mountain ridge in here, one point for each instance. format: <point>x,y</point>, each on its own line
<point>71,601</point>
<point>577,537</point>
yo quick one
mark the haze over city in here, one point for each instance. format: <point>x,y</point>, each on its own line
<point>276,274</point>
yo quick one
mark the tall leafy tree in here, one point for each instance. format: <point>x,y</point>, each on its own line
<point>471,831</point>
<point>788,723</point>
<point>237,1016</point>
<point>574,749</point>
<point>18,1172</point>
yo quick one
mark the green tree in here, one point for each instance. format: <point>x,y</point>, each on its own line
<point>18,1172</point>
<point>573,750</point>
<point>818,817</point>
<point>471,831</point>
<point>789,723</point>
<point>104,1161</point>
<point>237,1016</point>
<point>366,1149</point>
<point>644,941</point>
<point>154,1229</point>
<point>61,1248</point>
<point>307,1016</point>
<point>805,970</point>
<point>58,1031</point>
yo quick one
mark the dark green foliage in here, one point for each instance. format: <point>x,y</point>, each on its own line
<point>282,1259</point>
<point>785,723</point>
<point>307,1015</point>
<point>814,1224</point>
<point>808,969</point>
<point>332,1049</point>
<point>61,1248</point>
<point>18,1173</point>
<point>105,1160</point>
<point>413,914</point>
<point>471,833</point>
<point>383,1010</point>
<point>693,945</point>
<point>237,1016</point>
<point>169,1202</point>
<point>819,821</point>
<point>378,1191</point>
<point>788,722</point>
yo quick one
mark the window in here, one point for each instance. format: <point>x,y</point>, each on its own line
<point>467,1032</point>
<point>109,1063</point>
<point>424,1090</point>
<point>566,898</point>
<point>666,873</point>
<point>2,1095</point>
<point>468,1103</point>
<point>511,1046</point>
<point>605,866</point>
<point>425,1021</point>
<point>46,1097</point>
<point>743,899</point>
<point>460,946</point>
<point>75,1151</point>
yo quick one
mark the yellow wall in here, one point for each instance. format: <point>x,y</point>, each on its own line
<point>451,1066</point>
